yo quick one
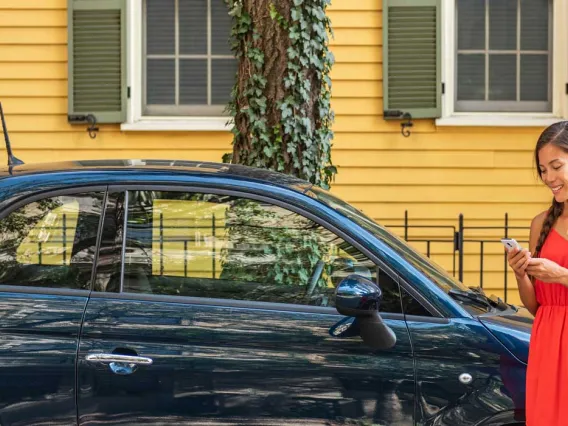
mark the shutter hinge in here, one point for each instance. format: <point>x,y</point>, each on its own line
<point>443,88</point>
<point>90,119</point>
<point>394,113</point>
<point>128,92</point>
<point>567,88</point>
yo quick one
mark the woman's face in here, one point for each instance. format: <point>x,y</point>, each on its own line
<point>553,165</point>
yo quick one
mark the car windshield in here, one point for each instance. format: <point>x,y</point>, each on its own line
<point>430,268</point>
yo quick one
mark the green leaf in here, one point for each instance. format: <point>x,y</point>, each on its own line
<point>268,151</point>
<point>273,12</point>
<point>295,14</point>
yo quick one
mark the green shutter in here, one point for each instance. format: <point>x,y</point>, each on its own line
<point>411,58</point>
<point>97,60</point>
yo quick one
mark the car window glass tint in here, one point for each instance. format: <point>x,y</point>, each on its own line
<point>411,306</point>
<point>217,246</point>
<point>51,242</point>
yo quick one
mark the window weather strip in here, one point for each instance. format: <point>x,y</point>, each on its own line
<point>123,251</point>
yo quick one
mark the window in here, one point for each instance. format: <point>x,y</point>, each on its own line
<point>189,68</point>
<point>463,61</point>
<point>503,56</point>
<point>51,243</point>
<point>216,246</point>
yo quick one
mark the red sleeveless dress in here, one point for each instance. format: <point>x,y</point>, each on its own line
<point>547,372</point>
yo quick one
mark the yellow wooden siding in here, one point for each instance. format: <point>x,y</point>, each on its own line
<point>435,174</point>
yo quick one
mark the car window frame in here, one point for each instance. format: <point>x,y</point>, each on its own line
<point>16,202</point>
<point>271,198</point>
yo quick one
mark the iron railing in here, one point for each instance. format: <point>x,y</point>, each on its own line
<point>457,238</point>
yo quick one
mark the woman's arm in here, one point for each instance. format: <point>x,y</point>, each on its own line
<point>519,260</point>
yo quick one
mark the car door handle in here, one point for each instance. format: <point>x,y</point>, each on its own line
<point>120,364</point>
<point>126,359</point>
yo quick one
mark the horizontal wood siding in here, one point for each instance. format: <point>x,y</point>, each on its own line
<point>434,175</point>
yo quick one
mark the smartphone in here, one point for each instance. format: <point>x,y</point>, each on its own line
<point>510,243</point>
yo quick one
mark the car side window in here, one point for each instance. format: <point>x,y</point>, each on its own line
<point>51,242</point>
<point>227,247</point>
<point>411,306</point>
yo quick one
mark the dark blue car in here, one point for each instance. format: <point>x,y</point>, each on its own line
<point>166,292</point>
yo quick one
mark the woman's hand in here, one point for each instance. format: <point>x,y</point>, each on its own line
<point>519,261</point>
<point>547,271</point>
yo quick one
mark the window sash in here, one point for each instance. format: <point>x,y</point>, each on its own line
<point>513,106</point>
<point>178,108</point>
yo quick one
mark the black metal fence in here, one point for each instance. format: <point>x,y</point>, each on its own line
<point>457,237</point>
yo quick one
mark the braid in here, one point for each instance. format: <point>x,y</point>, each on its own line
<point>553,213</point>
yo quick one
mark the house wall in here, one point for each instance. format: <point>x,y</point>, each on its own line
<point>435,174</point>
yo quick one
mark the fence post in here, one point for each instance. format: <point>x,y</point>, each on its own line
<point>460,248</point>
<point>64,239</point>
<point>213,241</point>
<point>185,258</point>
<point>161,244</point>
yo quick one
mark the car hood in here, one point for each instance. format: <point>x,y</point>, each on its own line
<point>512,328</point>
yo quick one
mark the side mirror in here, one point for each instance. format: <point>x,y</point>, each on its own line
<point>359,297</point>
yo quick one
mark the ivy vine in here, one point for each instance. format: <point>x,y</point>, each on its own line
<point>281,102</point>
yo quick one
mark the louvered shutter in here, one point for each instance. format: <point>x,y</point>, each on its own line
<point>97,60</point>
<point>412,58</point>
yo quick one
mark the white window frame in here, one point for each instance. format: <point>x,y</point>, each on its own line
<point>517,119</point>
<point>135,120</point>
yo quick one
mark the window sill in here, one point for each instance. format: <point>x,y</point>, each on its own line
<point>498,120</point>
<point>166,124</point>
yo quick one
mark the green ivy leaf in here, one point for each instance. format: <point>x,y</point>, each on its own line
<point>273,12</point>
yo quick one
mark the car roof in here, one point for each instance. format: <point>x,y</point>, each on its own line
<point>178,166</point>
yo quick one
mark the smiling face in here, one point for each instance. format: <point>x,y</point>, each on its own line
<point>553,170</point>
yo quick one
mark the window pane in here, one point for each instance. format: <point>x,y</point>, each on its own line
<point>411,306</point>
<point>161,80</point>
<point>192,27</point>
<point>503,24</point>
<point>534,77</point>
<point>471,77</point>
<point>534,24</point>
<point>193,81</point>
<point>502,77</point>
<point>471,24</point>
<point>221,24</point>
<point>216,246</point>
<point>160,27</point>
<point>51,243</point>
<point>224,71</point>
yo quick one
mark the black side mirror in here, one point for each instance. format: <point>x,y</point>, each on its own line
<point>359,297</point>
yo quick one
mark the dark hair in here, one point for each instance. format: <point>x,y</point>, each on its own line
<point>556,134</point>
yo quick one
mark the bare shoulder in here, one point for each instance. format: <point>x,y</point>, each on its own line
<point>538,220</point>
<point>536,226</point>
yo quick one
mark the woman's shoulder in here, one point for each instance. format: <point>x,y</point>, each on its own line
<point>536,227</point>
<point>538,220</point>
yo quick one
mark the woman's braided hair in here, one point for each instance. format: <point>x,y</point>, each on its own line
<point>556,134</point>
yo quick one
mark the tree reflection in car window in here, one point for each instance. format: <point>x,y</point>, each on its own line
<point>218,246</point>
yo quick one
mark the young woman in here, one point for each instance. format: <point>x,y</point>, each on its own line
<point>542,279</point>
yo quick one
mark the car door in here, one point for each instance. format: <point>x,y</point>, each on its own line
<point>47,247</point>
<point>222,311</point>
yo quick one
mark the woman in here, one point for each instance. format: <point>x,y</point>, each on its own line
<point>542,279</point>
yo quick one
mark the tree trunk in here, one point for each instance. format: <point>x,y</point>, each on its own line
<point>280,102</point>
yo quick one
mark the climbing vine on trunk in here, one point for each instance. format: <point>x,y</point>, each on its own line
<point>280,103</point>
